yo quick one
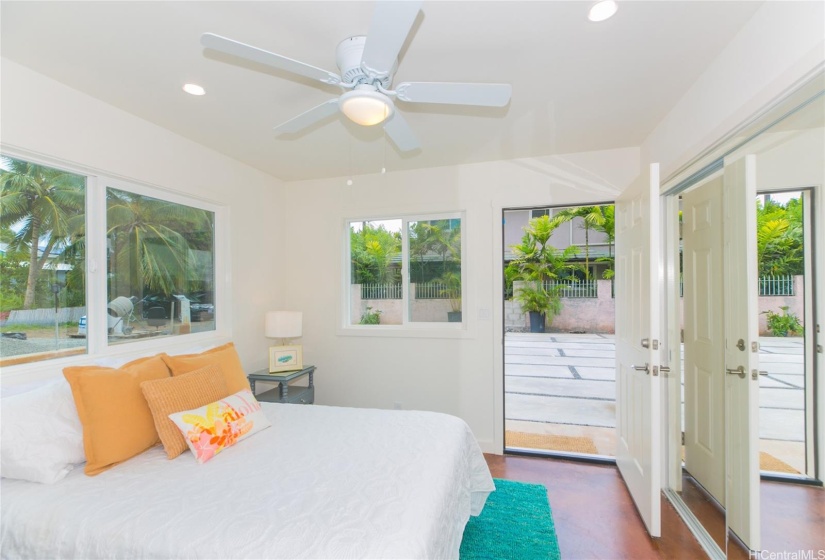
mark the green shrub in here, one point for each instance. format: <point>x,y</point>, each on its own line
<point>370,317</point>
<point>784,324</point>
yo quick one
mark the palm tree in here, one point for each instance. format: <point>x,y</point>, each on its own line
<point>146,241</point>
<point>536,261</point>
<point>422,240</point>
<point>593,217</point>
<point>47,205</point>
<point>608,228</point>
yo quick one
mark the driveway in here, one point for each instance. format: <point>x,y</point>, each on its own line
<point>565,384</point>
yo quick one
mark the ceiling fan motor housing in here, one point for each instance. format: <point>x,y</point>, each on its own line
<point>348,55</point>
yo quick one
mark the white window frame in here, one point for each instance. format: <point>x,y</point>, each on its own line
<point>221,324</point>
<point>98,349</point>
<point>407,327</point>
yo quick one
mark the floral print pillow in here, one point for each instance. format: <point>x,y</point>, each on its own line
<point>212,428</point>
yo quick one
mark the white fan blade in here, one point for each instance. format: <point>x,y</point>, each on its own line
<point>484,95</point>
<point>400,133</point>
<point>308,118</point>
<point>242,50</point>
<point>391,23</point>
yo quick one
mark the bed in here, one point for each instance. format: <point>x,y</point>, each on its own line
<point>321,482</point>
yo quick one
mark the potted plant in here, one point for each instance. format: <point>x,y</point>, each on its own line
<point>452,291</point>
<point>536,263</point>
<point>540,303</point>
<point>370,317</point>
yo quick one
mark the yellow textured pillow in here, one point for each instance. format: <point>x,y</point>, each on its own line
<point>117,422</point>
<point>225,356</point>
<point>182,392</point>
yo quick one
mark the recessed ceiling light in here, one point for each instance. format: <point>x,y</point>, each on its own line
<point>602,10</point>
<point>194,89</point>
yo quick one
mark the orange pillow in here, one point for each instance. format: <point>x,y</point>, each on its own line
<point>117,422</point>
<point>176,394</point>
<point>224,356</point>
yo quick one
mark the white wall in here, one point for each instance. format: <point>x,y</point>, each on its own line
<point>781,45</point>
<point>42,118</point>
<point>439,371</point>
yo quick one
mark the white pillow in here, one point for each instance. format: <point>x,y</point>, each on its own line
<point>41,438</point>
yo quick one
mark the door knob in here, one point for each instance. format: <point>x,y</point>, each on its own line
<point>740,371</point>
<point>665,370</point>
<point>644,368</point>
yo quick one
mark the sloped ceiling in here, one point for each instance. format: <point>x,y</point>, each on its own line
<point>577,85</point>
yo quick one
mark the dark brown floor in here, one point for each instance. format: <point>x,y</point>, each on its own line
<point>593,513</point>
<point>596,519</point>
<point>793,519</point>
<point>706,509</point>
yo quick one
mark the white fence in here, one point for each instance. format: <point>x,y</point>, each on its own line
<point>427,290</point>
<point>45,316</point>
<point>573,288</point>
<point>776,286</point>
<point>380,291</point>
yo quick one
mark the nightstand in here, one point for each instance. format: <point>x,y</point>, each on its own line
<point>297,394</point>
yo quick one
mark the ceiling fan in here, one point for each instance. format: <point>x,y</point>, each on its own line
<point>367,65</point>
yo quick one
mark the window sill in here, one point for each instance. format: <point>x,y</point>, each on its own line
<point>41,356</point>
<point>36,367</point>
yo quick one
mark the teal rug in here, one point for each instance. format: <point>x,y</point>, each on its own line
<point>515,524</point>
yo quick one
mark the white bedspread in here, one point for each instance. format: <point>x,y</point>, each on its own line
<point>322,482</point>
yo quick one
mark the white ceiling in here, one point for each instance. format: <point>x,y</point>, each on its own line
<point>577,85</point>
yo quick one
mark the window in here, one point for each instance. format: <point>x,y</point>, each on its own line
<point>42,261</point>
<point>539,212</point>
<point>159,276</point>
<point>160,265</point>
<point>405,270</point>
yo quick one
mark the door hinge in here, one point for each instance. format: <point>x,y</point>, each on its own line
<point>754,346</point>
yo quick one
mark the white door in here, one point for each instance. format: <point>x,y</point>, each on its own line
<point>704,371</point>
<point>638,399</point>
<point>741,350</point>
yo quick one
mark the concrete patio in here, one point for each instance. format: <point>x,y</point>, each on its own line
<point>565,384</point>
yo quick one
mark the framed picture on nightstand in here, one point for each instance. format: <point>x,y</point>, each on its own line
<point>285,358</point>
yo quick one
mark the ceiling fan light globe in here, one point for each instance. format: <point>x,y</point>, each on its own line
<point>366,108</point>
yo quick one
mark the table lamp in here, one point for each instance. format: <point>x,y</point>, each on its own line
<point>284,325</point>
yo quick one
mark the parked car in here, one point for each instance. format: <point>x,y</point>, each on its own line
<point>199,310</point>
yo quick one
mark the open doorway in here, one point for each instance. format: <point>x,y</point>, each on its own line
<point>783,231</point>
<point>559,351</point>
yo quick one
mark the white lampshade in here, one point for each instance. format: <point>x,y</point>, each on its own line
<point>284,324</point>
<point>366,107</point>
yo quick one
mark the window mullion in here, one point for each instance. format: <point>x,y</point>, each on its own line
<point>405,271</point>
<point>96,323</point>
